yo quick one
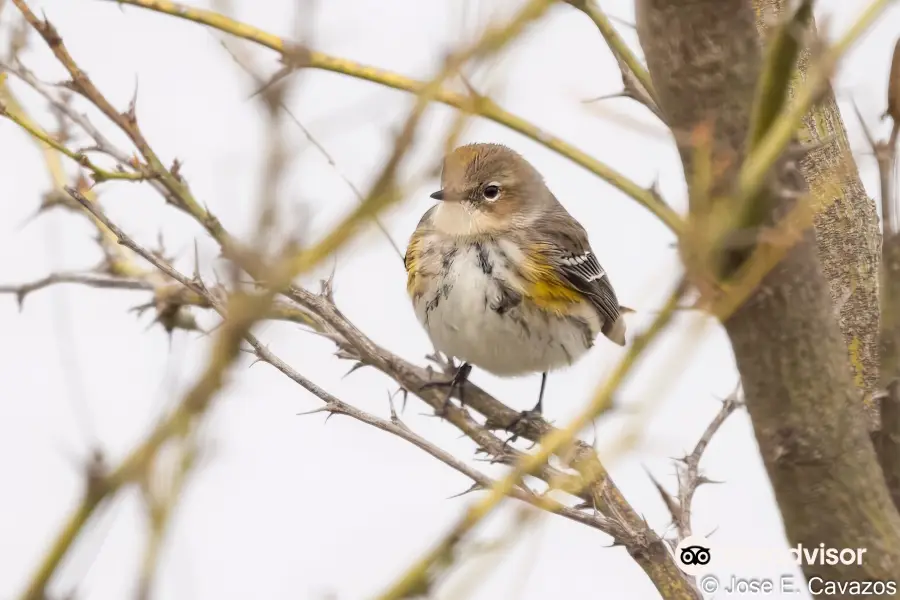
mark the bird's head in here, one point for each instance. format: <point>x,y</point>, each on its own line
<point>487,188</point>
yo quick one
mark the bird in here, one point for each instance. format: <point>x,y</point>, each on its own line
<point>502,277</point>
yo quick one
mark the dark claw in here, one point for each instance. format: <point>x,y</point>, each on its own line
<point>518,425</point>
<point>528,415</point>
<point>457,382</point>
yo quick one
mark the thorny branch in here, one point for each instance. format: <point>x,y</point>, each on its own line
<point>395,426</point>
<point>336,406</point>
<point>636,81</point>
<point>90,279</point>
<point>688,471</point>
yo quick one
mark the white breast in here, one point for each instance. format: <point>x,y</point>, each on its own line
<point>458,310</point>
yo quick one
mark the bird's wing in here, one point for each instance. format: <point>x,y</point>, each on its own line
<point>567,249</point>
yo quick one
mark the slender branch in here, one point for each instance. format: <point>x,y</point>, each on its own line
<point>81,158</point>
<point>396,427</point>
<point>688,472</point>
<point>96,280</point>
<point>482,106</point>
<point>635,77</point>
<point>689,476</point>
<point>315,143</point>
<point>118,261</point>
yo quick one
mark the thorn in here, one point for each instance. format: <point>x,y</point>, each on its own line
<point>327,285</point>
<point>862,123</point>
<point>326,408</point>
<point>474,488</point>
<point>703,480</point>
<point>668,500</point>
<point>141,308</point>
<point>405,398</point>
<point>341,353</point>
<point>196,261</point>
<point>30,219</point>
<point>622,94</point>
<point>394,418</point>
<point>623,22</point>
<point>131,114</point>
<point>215,327</point>
<point>356,366</point>
<point>175,169</point>
<point>258,360</point>
<point>405,392</point>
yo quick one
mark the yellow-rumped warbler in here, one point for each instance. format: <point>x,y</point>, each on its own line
<point>502,276</point>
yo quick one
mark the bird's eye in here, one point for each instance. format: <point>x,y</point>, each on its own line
<point>491,191</point>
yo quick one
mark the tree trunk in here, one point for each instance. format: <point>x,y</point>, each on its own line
<point>847,232</point>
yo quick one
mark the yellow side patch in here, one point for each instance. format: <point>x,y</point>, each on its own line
<point>413,252</point>
<point>545,288</point>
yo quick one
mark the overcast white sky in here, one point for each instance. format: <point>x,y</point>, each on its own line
<point>285,506</point>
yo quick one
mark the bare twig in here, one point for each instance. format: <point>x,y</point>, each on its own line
<point>90,279</point>
<point>635,77</point>
<point>396,427</point>
<point>688,469</point>
<point>316,144</point>
<point>99,174</point>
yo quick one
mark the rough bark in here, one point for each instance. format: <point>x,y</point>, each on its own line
<point>704,58</point>
<point>847,232</point>
<point>887,442</point>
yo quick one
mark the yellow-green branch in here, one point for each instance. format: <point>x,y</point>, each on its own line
<point>616,44</point>
<point>481,106</point>
<point>99,173</point>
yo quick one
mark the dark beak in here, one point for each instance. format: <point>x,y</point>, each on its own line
<point>438,195</point>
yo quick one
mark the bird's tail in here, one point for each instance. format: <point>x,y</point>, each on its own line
<point>615,331</point>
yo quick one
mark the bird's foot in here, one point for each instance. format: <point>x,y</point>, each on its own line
<point>457,382</point>
<point>522,422</point>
